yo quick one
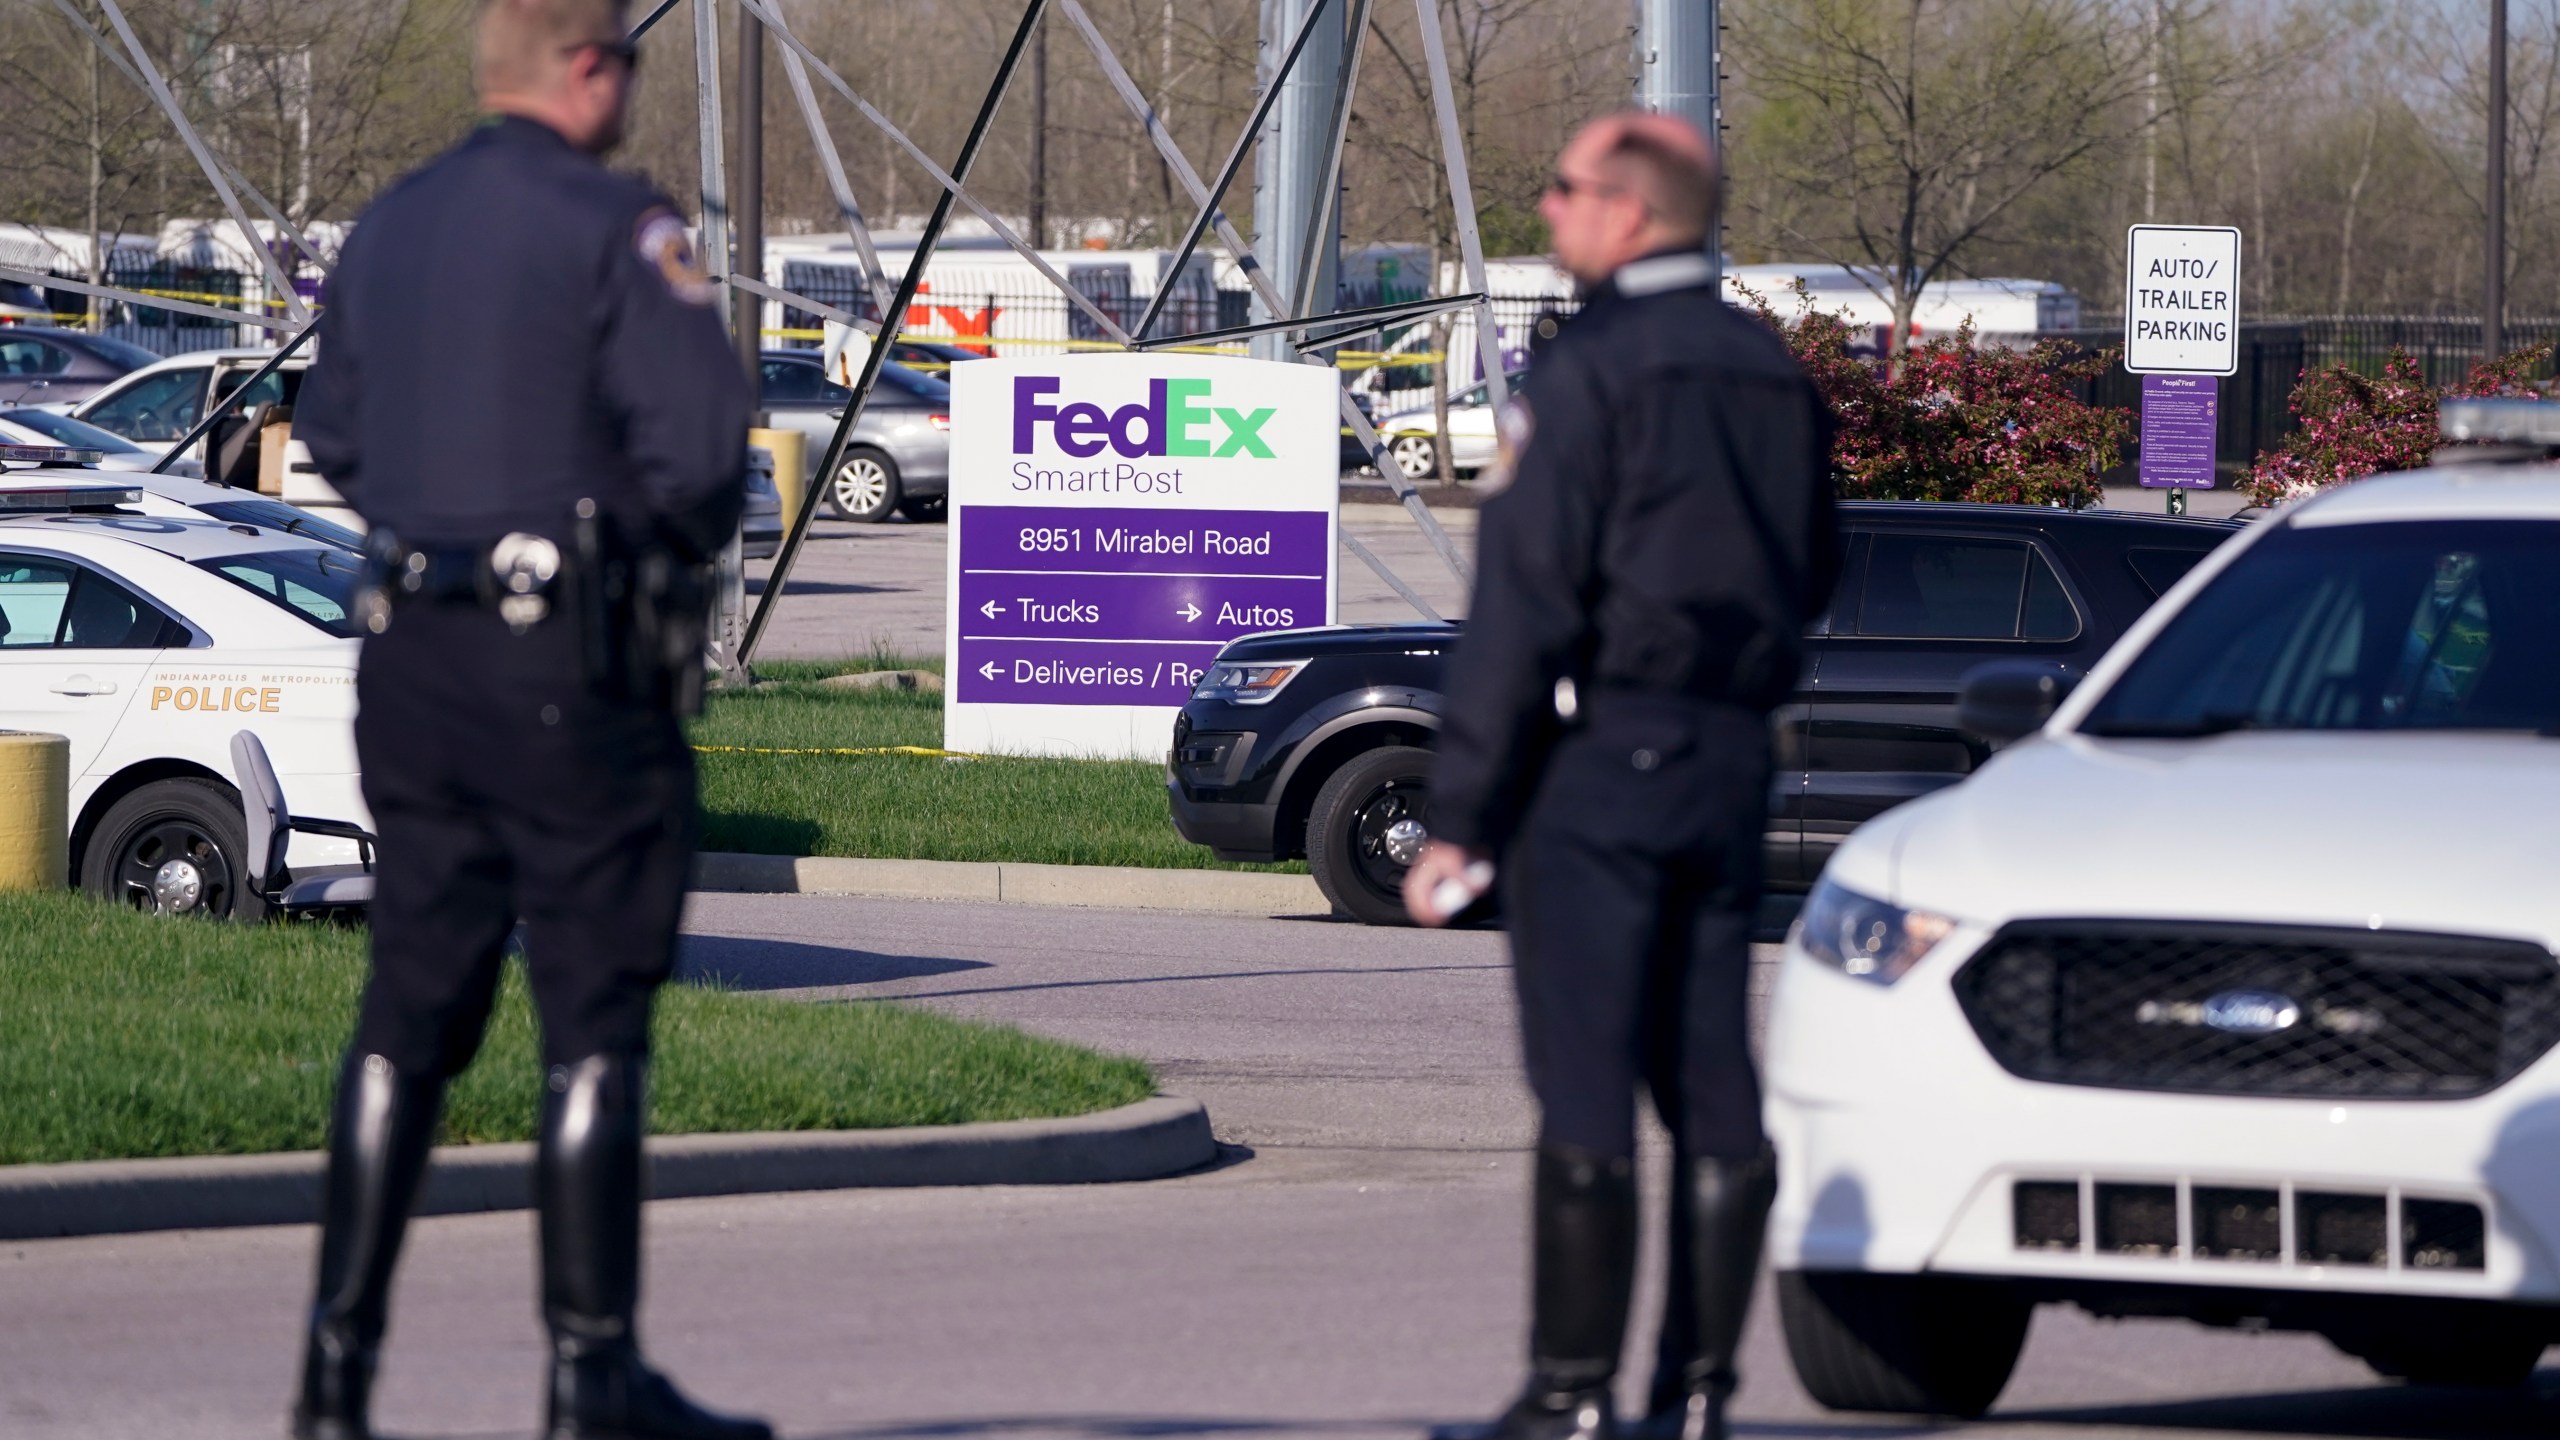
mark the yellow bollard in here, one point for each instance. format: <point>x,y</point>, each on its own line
<point>35,811</point>
<point>790,462</point>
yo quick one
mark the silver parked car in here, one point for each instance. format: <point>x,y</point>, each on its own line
<point>42,365</point>
<point>898,458</point>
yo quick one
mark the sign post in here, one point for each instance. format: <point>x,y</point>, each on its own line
<point>1115,519</point>
<point>2181,332</point>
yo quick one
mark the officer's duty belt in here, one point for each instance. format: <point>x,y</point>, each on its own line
<point>515,576</point>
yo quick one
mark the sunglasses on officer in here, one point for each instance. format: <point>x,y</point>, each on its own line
<point>623,50</point>
<point>1565,187</point>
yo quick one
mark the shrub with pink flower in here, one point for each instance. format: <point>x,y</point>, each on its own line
<point>2354,425</point>
<point>1953,421</point>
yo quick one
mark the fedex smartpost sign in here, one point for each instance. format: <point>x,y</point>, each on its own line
<point>1115,519</point>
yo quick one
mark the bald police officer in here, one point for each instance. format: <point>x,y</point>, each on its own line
<point>1642,584</point>
<point>524,387</point>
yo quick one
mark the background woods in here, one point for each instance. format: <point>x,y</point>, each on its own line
<point>1928,138</point>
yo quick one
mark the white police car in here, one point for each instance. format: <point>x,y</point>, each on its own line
<point>2229,994</point>
<point>150,640</point>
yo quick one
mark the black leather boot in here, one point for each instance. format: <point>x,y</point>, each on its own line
<point>1583,1269</point>
<point>1726,1204</point>
<point>587,1178</point>
<point>380,1131</point>
<point>1667,1396</point>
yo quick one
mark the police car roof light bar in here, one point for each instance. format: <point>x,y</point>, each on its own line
<point>57,498</point>
<point>2513,421</point>
<point>49,455</point>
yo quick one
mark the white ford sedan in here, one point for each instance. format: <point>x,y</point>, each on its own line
<point>2227,994</point>
<point>150,640</point>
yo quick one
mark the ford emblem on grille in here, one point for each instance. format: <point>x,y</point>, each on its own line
<point>2252,1012</point>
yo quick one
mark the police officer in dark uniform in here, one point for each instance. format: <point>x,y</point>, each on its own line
<point>1642,587</point>
<point>524,387</point>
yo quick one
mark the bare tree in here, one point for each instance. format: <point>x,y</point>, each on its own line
<point>1907,131</point>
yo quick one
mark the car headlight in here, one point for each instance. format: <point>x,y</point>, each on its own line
<point>1864,937</point>
<point>1246,682</point>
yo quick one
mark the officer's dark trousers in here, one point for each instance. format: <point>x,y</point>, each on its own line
<point>502,789</point>
<point>1630,891</point>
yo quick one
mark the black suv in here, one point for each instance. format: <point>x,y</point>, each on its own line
<point>1316,743</point>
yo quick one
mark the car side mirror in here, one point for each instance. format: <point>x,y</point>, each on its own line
<point>2007,700</point>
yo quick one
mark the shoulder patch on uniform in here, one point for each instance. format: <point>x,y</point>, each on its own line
<point>1512,425</point>
<point>667,250</point>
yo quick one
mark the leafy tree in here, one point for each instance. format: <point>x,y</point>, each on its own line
<point>2354,425</point>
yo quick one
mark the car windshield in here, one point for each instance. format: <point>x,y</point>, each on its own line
<point>65,430</point>
<point>317,585</point>
<point>277,515</point>
<point>2418,625</point>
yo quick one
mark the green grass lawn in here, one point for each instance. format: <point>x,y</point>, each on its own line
<point>914,807</point>
<point>122,1035</point>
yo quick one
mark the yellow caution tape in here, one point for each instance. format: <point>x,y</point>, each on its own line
<point>924,750</point>
<point>1346,359</point>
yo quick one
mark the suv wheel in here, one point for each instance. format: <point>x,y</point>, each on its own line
<point>1909,1344</point>
<point>865,490</point>
<point>174,847</point>
<point>1368,824</point>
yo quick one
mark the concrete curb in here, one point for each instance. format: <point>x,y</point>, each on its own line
<point>1145,1141</point>
<point>1113,887</point>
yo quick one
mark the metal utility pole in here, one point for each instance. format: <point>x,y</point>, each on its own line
<point>712,242</point>
<point>2493,297</point>
<point>1678,44</point>
<point>1293,166</point>
<point>1040,139</point>
<point>2151,124</point>
<point>749,205</point>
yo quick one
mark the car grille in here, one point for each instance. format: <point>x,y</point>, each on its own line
<point>2252,1224</point>
<point>2261,1010</point>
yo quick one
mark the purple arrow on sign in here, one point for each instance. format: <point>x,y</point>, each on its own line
<point>1062,606</point>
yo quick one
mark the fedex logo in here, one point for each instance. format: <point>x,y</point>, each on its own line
<point>1174,419</point>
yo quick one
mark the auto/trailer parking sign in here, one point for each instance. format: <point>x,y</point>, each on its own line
<point>1115,519</point>
<point>2182,300</point>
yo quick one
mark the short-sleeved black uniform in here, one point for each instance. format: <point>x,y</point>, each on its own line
<point>514,329</point>
<point>1643,585</point>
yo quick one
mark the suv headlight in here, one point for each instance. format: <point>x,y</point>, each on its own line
<point>1864,937</point>
<point>1246,682</point>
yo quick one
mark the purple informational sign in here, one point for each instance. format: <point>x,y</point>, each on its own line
<point>1115,520</point>
<point>2178,431</point>
<point>1090,606</point>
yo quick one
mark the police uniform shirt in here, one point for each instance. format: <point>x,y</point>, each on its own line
<point>1669,528</point>
<point>514,328</point>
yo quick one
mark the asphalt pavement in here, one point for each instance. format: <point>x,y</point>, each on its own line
<point>1353,1268</point>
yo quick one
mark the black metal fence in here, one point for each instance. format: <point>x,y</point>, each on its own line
<point>163,332</point>
<point>2256,414</point>
<point>1000,318</point>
